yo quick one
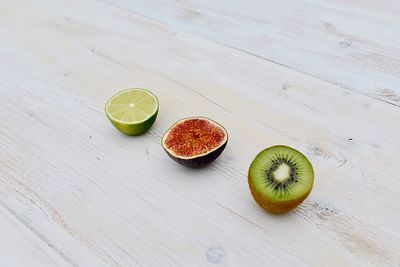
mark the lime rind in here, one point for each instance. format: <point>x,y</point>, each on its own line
<point>132,111</point>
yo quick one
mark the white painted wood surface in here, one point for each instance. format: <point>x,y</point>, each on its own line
<point>321,76</point>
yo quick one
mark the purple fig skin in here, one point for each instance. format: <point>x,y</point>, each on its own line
<point>200,161</point>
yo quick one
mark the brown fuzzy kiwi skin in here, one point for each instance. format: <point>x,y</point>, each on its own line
<point>271,206</point>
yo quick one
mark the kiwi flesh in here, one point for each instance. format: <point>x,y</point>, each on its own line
<point>280,178</point>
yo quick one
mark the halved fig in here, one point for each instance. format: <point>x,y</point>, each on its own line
<point>195,142</point>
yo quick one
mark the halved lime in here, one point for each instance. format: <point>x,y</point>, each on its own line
<point>132,111</point>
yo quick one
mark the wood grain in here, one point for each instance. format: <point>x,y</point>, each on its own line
<point>352,44</point>
<point>33,251</point>
<point>75,192</point>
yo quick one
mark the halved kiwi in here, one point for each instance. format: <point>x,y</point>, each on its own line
<point>195,142</point>
<point>280,178</point>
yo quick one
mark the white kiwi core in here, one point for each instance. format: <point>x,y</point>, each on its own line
<point>282,173</point>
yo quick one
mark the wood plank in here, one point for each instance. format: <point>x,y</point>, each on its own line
<point>354,44</point>
<point>105,199</point>
<point>19,246</point>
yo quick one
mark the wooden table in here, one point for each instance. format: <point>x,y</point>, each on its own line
<point>320,76</point>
